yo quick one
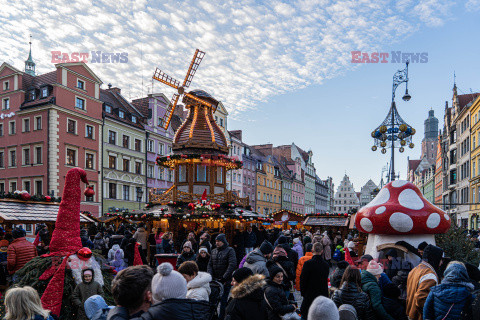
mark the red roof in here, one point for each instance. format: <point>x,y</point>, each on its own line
<point>464,99</point>
<point>413,164</point>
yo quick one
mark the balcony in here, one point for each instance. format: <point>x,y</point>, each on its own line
<point>175,195</point>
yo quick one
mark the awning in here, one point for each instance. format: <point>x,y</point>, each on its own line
<point>31,213</point>
<point>326,221</point>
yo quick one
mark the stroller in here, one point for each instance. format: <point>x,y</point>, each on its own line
<point>215,298</point>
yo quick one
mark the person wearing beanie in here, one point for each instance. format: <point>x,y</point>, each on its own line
<point>203,258</point>
<point>240,274</point>
<point>20,251</point>
<point>421,247</point>
<point>308,255</point>
<point>324,309</point>
<point>297,247</point>
<point>168,284</point>
<point>257,259</point>
<point>96,308</point>
<point>421,279</point>
<point>221,266</point>
<point>391,302</point>
<point>187,254</point>
<point>370,286</point>
<point>337,275</point>
<point>277,303</point>
<point>247,300</point>
<point>250,240</point>
<point>84,290</point>
<point>280,259</point>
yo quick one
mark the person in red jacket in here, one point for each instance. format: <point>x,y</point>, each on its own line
<point>20,251</point>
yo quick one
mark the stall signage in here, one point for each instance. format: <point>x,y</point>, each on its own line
<point>278,223</point>
<point>293,223</point>
<point>266,223</point>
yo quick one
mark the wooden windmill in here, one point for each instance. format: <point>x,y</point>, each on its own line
<point>199,133</point>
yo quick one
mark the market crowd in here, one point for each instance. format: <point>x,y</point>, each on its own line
<point>262,274</point>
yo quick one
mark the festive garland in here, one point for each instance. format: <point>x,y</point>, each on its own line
<point>167,160</point>
<point>25,196</point>
<point>330,215</point>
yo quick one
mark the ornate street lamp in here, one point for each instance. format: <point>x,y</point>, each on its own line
<point>393,132</point>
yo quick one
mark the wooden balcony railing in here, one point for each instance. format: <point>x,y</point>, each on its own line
<point>181,196</point>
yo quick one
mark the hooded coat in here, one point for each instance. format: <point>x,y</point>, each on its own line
<point>338,273</point>
<point>247,300</point>
<point>141,235</point>
<point>371,287</point>
<point>280,259</point>
<point>186,256</point>
<point>116,258</point>
<point>301,261</point>
<point>222,261</point>
<point>82,292</point>
<point>203,262</point>
<point>297,247</point>
<point>452,297</point>
<point>350,293</point>
<point>277,304</point>
<point>199,287</point>
<point>313,281</point>
<point>256,262</point>
<point>98,242</point>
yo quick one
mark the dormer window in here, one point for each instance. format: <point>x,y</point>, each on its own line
<point>81,84</point>
<point>6,85</point>
<point>31,95</point>
<point>44,92</point>
<point>108,108</point>
<point>134,119</point>
<point>121,114</point>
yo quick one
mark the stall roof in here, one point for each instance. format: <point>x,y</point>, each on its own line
<point>326,221</point>
<point>25,213</point>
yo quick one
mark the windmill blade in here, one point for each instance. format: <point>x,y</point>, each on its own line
<point>165,121</point>
<point>208,104</point>
<point>197,58</point>
<point>161,76</point>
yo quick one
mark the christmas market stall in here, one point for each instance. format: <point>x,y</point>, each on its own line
<point>287,219</point>
<point>329,221</point>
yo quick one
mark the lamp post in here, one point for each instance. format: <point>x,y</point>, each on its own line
<point>139,197</point>
<point>394,132</point>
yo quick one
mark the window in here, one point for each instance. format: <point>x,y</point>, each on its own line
<point>150,173</point>
<point>138,145</point>
<point>112,137</point>
<point>38,123</point>
<point>216,119</point>
<point>126,193</point>
<point>108,108</point>
<point>11,127</point>
<point>31,95</point>
<point>169,149</point>
<point>89,132</point>
<point>26,157</point>
<point>150,146</point>
<point>134,119</point>
<point>160,148</point>
<point>2,187</point>
<point>13,186</point>
<point>80,84</point>
<point>170,175</point>
<point>219,174</point>
<point>121,114</point>
<point>139,193</point>
<point>71,157</point>
<point>112,190</point>
<point>126,141</point>
<point>1,159</point>
<point>89,161</point>
<point>202,173</point>
<point>138,167</point>
<point>38,155</point>
<point>38,187</point>
<point>6,104</point>
<point>1,129</point>
<point>221,122</point>
<point>80,103</point>
<point>126,165</point>
<point>26,186</point>
<point>182,173</point>
<point>71,126</point>
<point>112,162</point>
<point>6,85</point>
<point>160,174</point>
<point>26,125</point>
<point>44,92</point>
<point>13,158</point>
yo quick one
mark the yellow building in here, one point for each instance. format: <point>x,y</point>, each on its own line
<point>474,214</point>
<point>269,186</point>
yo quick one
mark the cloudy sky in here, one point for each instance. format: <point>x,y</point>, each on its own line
<point>282,68</point>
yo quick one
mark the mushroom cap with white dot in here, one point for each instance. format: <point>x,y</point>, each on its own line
<point>399,183</point>
<point>433,220</point>
<point>401,222</point>
<point>410,200</point>
<point>366,224</point>
<point>382,197</point>
<point>380,210</point>
<point>446,216</point>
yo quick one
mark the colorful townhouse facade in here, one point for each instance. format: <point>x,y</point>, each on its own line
<point>249,173</point>
<point>345,198</point>
<point>474,214</point>
<point>269,181</point>
<point>438,179</point>
<point>235,178</point>
<point>49,124</point>
<point>321,195</point>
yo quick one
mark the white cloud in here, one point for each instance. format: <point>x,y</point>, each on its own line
<point>253,50</point>
<point>473,5</point>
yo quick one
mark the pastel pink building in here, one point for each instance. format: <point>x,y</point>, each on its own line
<point>49,124</point>
<point>298,186</point>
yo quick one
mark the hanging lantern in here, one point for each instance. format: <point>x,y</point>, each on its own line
<point>383,144</point>
<point>383,129</point>
<point>384,151</point>
<point>401,149</point>
<point>403,142</point>
<point>374,148</point>
<point>403,127</point>
<point>411,145</point>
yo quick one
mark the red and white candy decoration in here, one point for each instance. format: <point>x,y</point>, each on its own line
<point>400,208</point>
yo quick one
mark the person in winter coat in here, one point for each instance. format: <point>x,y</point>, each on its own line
<point>370,286</point>
<point>86,242</point>
<point>421,279</point>
<point>277,303</point>
<point>158,241</point>
<point>96,308</point>
<point>141,235</point>
<point>322,309</point>
<point>250,240</point>
<point>130,253</point>
<point>336,278</point>
<point>187,254</point>
<point>203,258</point>
<point>24,303</point>
<point>221,266</point>
<point>292,255</point>
<point>205,242</point>
<point>239,275</point>
<point>257,259</point>
<point>308,255</point>
<point>116,258</point>
<point>453,298</point>
<point>84,290</point>
<point>98,242</point>
<point>314,278</point>
<point>126,239</point>
<point>297,247</point>
<point>392,303</point>
<point>327,247</point>
<point>247,300</point>
<point>198,283</point>
<point>239,244</point>
<point>280,259</point>
<point>20,251</point>
<point>350,292</point>
<point>167,243</point>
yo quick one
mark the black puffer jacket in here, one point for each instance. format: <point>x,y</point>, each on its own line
<point>288,266</point>
<point>248,302</point>
<point>222,263</point>
<point>190,256</point>
<point>349,293</point>
<point>338,273</point>
<point>400,280</point>
<point>171,309</point>
<point>394,308</point>
<point>203,262</point>
<point>277,303</point>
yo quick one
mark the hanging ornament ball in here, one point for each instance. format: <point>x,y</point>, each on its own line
<point>411,145</point>
<point>403,127</point>
<point>48,198</point>
<point>184,217</point>
<point>377,134</point>
<point>384,151</point>
<point>403,142</point>
<point>25,196</point>
<point>89,192</point>
<point>401,149</point>
<point>373,134</point>
<point>409,131</point>
<point>374,148</point>
<point>383,144</point>
<point>188,215</point>
<point>401,135</point>
<point>240,217</point>
<point>383,137</point>
<point>84,253</point>
<point>413,131</point>
<point>383,129</point>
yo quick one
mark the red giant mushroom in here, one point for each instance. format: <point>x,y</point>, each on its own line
<point>400,212</point>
